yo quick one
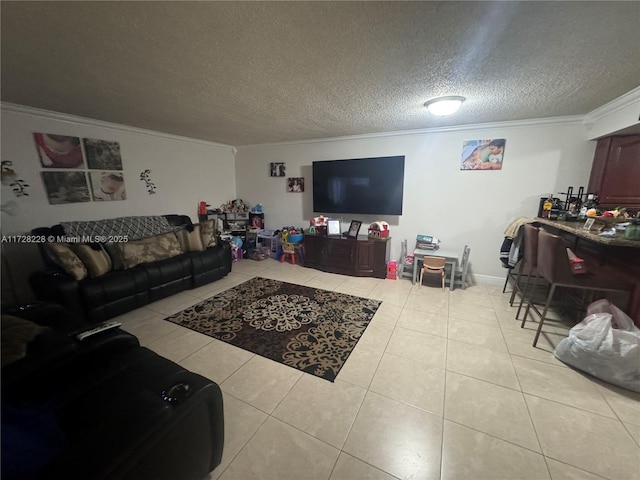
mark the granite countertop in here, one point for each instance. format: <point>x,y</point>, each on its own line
<point>576,229</point>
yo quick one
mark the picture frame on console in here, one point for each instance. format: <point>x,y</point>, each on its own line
<point>354,228</point>
<point>333,227</point>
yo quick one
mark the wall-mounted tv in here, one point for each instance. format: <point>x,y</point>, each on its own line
<point>361,185</point>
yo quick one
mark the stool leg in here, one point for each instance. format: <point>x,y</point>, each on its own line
<point>516,285</point>
<point>506,281</point>
<point>293,258</point>
<point>544,314</point>
<point>526,312</point>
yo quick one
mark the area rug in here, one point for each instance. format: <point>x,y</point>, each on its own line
<point>306,328</point>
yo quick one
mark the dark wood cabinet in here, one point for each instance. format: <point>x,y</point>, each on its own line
<point>615,173</point>
<point>364,257</point>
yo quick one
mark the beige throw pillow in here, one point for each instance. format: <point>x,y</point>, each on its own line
<point>191,241</point>
<point>115,254</point>
<point>97,262</point>
<point>208,233</point>
<point>68,260</point>
<point>148,250</point>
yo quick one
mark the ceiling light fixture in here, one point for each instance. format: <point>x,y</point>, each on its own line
<point>444,105</point>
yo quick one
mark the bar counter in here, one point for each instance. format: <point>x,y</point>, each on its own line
<point>616,254</point>
<point>575,228</point>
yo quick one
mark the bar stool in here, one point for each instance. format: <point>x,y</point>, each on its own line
<point>553,266</point>
<point>530,261</point>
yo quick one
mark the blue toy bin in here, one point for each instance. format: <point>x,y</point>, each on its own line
<point>295,238</point>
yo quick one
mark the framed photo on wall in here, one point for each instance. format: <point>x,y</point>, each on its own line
<point>295,184</point>
<point>106,186</point>
<point>59,151</point>
<point>482,154</point>
<point>66,187</point>
<point>277,169</point>
<point>102,154</point>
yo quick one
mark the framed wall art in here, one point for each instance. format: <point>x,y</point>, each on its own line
<point>295,184</point>
<point>277,169</point>
<point>59,151</point>
<point>102,154</point>
<point>482,154</point>
<point>66,187</point>
<point>107,186</point>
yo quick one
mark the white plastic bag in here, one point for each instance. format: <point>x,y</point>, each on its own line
<point>606,344</point>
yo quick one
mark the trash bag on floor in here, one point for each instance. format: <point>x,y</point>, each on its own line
<point>606,344</point>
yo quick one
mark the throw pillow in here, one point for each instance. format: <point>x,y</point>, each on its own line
<point>208,233</point>
<point>150,249</point>
<point>95,260</point>
<point>115,255</point>
<point>190,241</point>
<point>67,260</point>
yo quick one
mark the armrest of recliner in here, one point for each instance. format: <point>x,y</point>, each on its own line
<point>54,358</point>
<point>58,287</point>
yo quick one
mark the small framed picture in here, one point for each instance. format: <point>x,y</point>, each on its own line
<point>276,169</point>
<point>295,184</point>
<point>333,227</point>
<point>59,151</point>
<point>66,187</point>
<point>102,154</point>
<point>588,224</point>
<point>354,228</point>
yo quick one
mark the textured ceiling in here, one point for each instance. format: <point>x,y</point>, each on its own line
<point>242,73</point>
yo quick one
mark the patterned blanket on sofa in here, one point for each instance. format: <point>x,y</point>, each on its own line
<point>134,228</point>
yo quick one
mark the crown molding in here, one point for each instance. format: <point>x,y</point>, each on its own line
<point>73,119</point>
<point>538,122</point>
<point>612,107</point>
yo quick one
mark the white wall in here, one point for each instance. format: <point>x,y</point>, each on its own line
<point>185,171</point>
<point>459,207</point>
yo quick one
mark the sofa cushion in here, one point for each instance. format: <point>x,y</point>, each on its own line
<point>191,241</point>
<point>208,233</point>
<point>95,259</point>
<point>65,258</point>
<point>151,249</point>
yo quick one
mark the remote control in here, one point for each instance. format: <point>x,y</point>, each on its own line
<point>101,327</point>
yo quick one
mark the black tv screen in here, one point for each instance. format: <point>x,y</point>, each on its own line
<point>362,185</point>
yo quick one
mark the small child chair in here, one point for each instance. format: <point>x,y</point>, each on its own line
<point>433,265</point>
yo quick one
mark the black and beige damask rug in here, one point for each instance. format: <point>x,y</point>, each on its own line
<point>306,328</point>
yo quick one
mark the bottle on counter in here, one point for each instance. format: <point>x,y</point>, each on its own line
<point>590,202</point>
<point>547,206</point>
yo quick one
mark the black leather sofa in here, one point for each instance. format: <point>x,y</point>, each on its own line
<point>119,291</point>
<point>103,408</point>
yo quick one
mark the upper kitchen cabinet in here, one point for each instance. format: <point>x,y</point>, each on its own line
<point>615,174</point>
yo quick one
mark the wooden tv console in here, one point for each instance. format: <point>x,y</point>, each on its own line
<point>361,257</point>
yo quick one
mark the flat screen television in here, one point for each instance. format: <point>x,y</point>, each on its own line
<point>361,185</point>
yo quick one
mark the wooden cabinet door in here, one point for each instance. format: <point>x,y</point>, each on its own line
<point>616,180</point>
<point>313,249</point>
<point>365,258</point>
<point>340,255</point>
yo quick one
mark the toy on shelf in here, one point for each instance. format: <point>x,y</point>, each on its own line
<point>379,229</point>
<point>235,206</point>
<point>319,225</point>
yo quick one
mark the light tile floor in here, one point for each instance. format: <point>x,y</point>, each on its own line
<point>441,386</point>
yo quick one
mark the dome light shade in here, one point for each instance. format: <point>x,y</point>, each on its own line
<point>444,105</point>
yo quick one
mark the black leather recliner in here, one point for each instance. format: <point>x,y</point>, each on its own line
<point>104,408</point>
